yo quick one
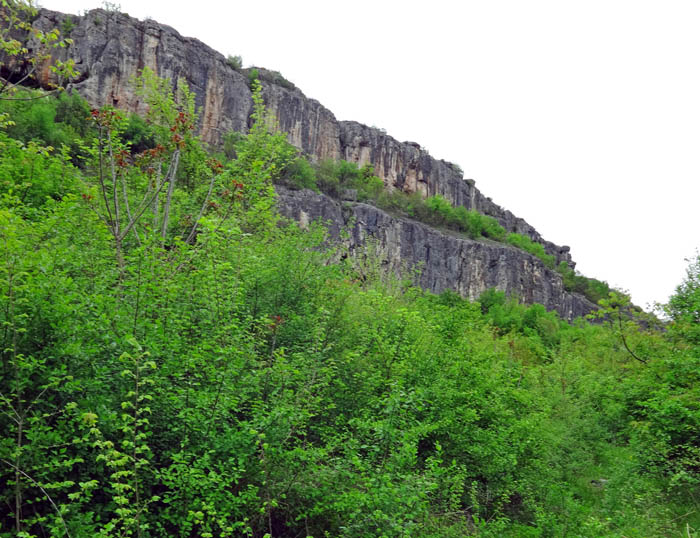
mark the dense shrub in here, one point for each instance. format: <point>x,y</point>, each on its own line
<point>594,290</point>
<point>301,175</point>
<point>334,178</point>
<point>208,372</point>
<point>438,211</point>
<point>51,121</point>
<point>528,245</point>
<point>253,75</point>
<point>235,62</point>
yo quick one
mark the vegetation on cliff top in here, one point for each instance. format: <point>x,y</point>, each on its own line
<point>342,178</point>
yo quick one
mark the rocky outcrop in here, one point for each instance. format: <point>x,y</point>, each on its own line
<point>444,262</point>
<point>406,166</point>
<point>111,48</point>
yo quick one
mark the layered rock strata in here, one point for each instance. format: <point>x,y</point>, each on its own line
<point>444,261</point>
<point>111,48</point>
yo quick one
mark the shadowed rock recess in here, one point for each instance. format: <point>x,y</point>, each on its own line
<point>111,48</point>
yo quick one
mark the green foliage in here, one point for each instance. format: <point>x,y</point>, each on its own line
<point>684,306</point>
<point>528,245</point>
<point>229,142</point>
<point>275,77</point>
<point>56,121</point>
<point>337,179</point>
<point>300,174</point>
<point>253,75</point>
<point>67,26</point>
<point>542,328</point>
<point>594,290</point>
<point>138,135</point>
<point>261,158</point>
<point>438,211</point>
<point>64,119</point>
<point>235,62</point>
<point>32,175</point>
<point>26,50</point>
<point>193,366</point>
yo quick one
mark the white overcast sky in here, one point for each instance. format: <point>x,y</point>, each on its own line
<point>583,117</point>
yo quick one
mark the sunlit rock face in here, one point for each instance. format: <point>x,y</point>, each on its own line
<point>112,48</point>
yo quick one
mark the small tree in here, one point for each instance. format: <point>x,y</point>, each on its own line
<point>684,305</point>
<point>235,62</point>
<point>155,171</point>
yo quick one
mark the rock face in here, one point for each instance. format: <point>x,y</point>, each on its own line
<point>445,262</point>
<point>111,48</point>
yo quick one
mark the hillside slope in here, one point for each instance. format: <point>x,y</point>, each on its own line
<point>111,48</point>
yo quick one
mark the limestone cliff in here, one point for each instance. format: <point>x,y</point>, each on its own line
<point>444,261</point>
<point>110,48</point>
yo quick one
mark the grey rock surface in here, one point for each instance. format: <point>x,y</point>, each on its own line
<point>111,48</point>
<point>444,261</point>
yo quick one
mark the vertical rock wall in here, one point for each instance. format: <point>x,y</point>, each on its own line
<point>111,48</point>
<point>444,262</point>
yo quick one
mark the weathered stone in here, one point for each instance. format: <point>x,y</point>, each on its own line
<point>445,262</point>
<point>111,48</point>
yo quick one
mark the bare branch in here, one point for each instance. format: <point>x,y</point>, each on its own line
<point>141,211</point>
<point>35,400</point>
<point>128,210</point>
<point>624,340</point>
<point>7,86</point>
<point>115,198</point>
<point>155,200</point>
<point>171,188</point>
<point>191,235</point>
<point>101,179</point>
<point>32,98</point>
<point>99,215</point>
<point>7,400</point>
<point>48,497</point>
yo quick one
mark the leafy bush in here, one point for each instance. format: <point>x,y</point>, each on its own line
<point>594,290</point>
<point>438,211</point>
<point>230,141</point>
<point>442,211</point>
<point>335,177</point>
<point>492,229</point>
<point>684,305</point>
<point>235,62</point>
<point>274,77</point>
<point>253,75</point>
<point>528,245</point>
<point>300,175</point>
<point>32,175</point>
<point>51,121</point>
<point>138,134</point>
<point>208,372</point>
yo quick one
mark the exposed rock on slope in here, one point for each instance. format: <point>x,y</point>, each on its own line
<point>445,262</point>
<point>110,48</point>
